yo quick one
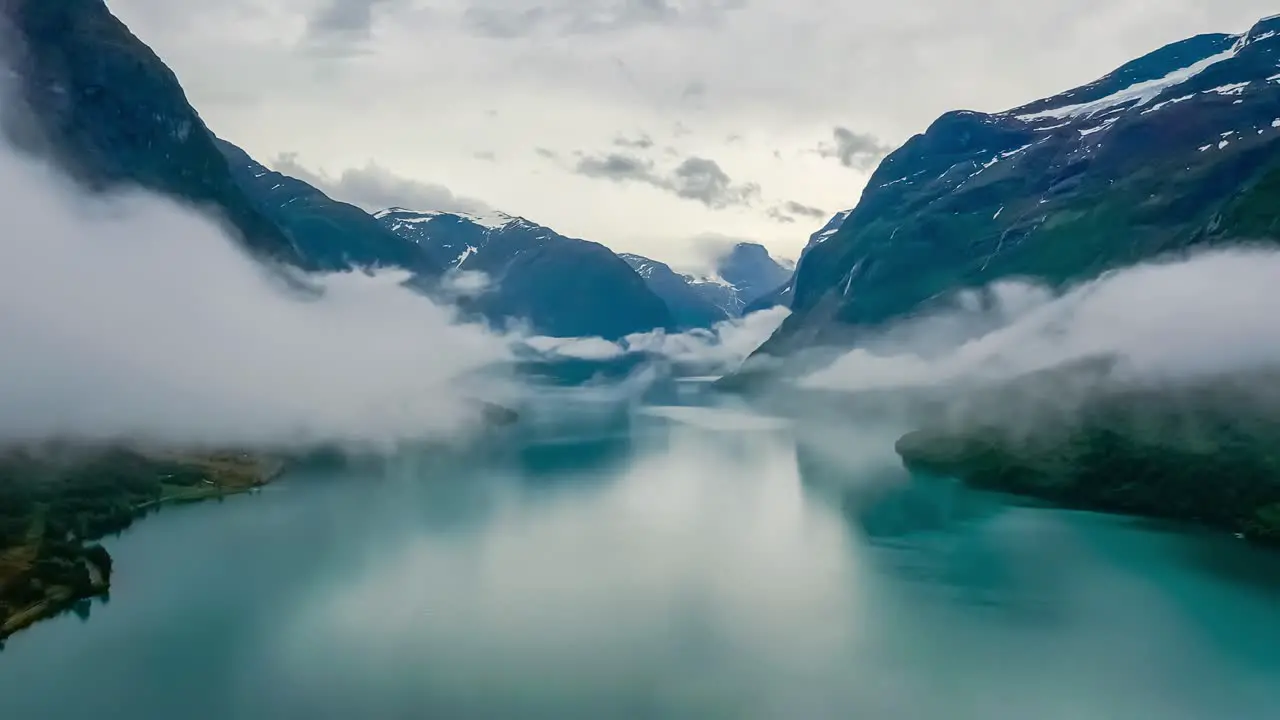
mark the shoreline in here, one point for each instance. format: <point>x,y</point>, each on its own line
<point>50,570</point>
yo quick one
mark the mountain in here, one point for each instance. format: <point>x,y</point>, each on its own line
<point>784,294</point>
<point>105,108</point>
<point>693,303</point>
<point>331,235</point>
<point>561,286</point>
<point>752,272</point>
<point>1178,149</point>
<point>743,276</point>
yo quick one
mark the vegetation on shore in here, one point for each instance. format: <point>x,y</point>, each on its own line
<point>1206,453</point>
<point>57,500</point>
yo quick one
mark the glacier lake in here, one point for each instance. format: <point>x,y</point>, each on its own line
<point>677,562</point>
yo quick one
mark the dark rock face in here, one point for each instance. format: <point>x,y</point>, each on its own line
<point>1177,149</point>
<point>560,286</point>
<point>331,235</point>
<point>102,105</point>
<point>693,304</point>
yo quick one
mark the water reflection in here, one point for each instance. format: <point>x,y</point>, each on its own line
<point>676,563</point>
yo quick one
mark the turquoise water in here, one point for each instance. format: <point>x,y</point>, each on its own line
<point>684,564</point>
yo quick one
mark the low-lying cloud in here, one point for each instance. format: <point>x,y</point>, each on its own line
<point>717,350</point>
<point>1208,315</point>
<point>129,317</point>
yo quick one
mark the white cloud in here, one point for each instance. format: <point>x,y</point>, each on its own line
<point>716,350</point>
<point>1211,314</point>
<point>131,317</point>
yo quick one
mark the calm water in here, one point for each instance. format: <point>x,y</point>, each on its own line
<point>692,564</point>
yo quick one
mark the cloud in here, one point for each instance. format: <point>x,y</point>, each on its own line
<point>344,27</point>
<point>695,178</point>
<point>374,188</point>
<point>546,153</point>
<point>507,19</point>
<point>640,142</point>
<point>131,317</point>
<point>717,350</point>
<point>618,167</point>
<point>344,17</point>
<point>1208,315</point>
<point>694,93</point>
<point>860,151</point>
<point>486,155</point>
<point>788,211</point>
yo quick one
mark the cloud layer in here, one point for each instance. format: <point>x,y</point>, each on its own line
<point>712,351</point>
<point>1165,322</point>
<point>128,316</point>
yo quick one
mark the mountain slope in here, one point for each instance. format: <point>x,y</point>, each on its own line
<point>740,282</point>
<point>784,294</point>
<point>561,286</point>
<point>1177,149</point>
<point>331,235</point>
<point>103,106</point>
<point>692,304</point>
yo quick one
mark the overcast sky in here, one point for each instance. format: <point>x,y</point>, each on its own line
<point>641,124</point>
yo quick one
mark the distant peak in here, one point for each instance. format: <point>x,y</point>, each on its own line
<point>491,219</point>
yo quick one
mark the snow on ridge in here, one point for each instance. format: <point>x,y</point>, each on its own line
<point>492,220</point>
<point>833,226</point>
<point>1231,89</point>
<point>1136,95</point>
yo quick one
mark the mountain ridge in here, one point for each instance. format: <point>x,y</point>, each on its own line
<point>560,286</point>
<point>1176,149</point>
<point>101,105</point>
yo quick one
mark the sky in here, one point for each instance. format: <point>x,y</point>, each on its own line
<point>650,126</point>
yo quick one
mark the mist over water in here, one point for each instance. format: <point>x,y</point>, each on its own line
<point>126,316</point>
<point>681,563</point>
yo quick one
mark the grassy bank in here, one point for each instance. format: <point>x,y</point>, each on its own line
<point>56,501</point>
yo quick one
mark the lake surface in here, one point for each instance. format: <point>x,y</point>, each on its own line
<point>680,563</point>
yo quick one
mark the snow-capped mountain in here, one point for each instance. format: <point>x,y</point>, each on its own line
<point>560,286</point>
<point>1176,148</point>
<point>693,303</point>
<point>330,235</point>
<point>738,278</point>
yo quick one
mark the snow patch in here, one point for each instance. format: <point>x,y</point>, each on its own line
<point>1166,103</point>
<point>1103,126</point>
<point>1135,95</point>
<point>1232,89</point>
<point>463,257</point>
